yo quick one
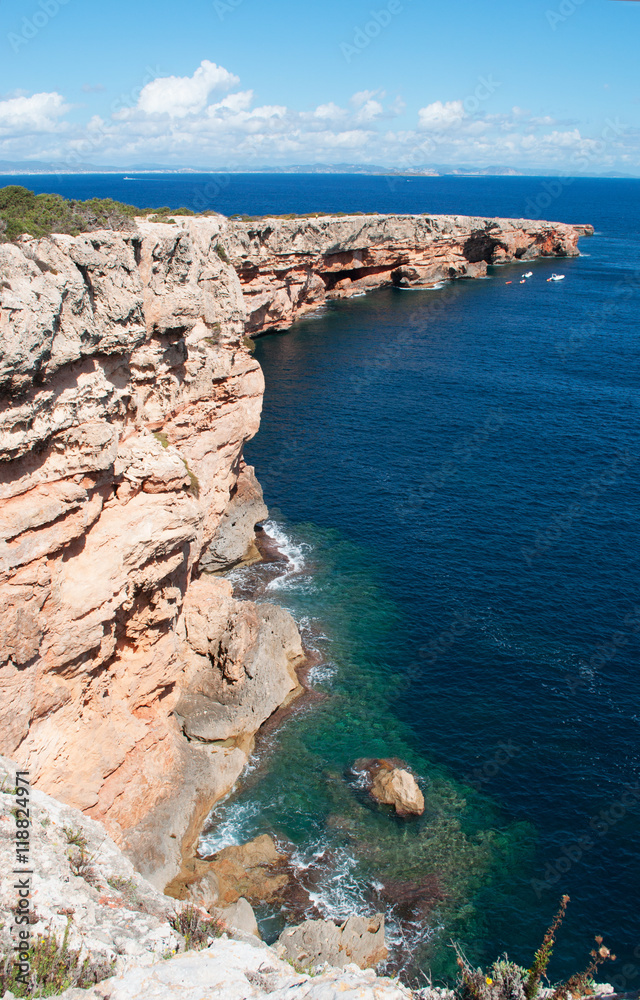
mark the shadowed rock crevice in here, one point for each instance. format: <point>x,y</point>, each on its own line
<point>289,267</point>
<point>482,246</point>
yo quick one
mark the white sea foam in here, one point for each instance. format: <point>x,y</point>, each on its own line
<point>323,673</point>
<point>340,892</point>
<point>232,828</point>
<point>293,552</point>
<point>424,288</point>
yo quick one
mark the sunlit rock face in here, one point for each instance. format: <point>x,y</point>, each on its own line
<point>291,266</point>
<point>127,397</point>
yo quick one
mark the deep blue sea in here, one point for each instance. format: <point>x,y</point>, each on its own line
<point>455,476</point>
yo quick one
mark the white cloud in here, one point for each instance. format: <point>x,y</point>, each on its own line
<point>329,112</point>
<point>544,120</point>
<point>363,96</point>
<point>178,96</point>
<point>441,116</point>
<point>233,104</point>
<point>188,121</point>
<point>38,113</point>
<point>370,111</point>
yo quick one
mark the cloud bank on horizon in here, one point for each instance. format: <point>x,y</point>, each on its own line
<point>207,120</point>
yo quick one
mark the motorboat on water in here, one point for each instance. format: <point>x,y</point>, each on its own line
<point>556,277</point>
<point>529,274</point>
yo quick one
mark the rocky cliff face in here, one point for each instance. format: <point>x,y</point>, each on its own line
<point>290,266</point>
<point>131,679</point>
<point>130,683</point>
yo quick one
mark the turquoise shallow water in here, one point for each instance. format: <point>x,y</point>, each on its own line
<point>455,477</point>
<point>427,874</point>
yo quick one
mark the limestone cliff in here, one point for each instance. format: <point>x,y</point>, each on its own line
<point>131,679</point>
<point>130,684</point>
<point>290,266</point>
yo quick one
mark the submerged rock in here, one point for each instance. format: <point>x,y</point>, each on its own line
<point>359,940</point>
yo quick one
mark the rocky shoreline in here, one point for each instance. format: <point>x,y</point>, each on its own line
<point>133,679</point>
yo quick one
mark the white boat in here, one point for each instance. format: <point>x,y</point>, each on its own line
<point>556,277</point>
<point>529,274</point>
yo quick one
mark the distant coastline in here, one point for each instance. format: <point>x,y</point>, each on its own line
<point>17,169</point>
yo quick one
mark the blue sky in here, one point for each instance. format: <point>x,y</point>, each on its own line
<point>532,84</point>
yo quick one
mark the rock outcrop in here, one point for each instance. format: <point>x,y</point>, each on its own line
<point>242,970</point>
<point>397,787</point>
<point>131,679</point>
<point>358,940</point>
<point>256,871</point>
<point>391,783</point>
<point>109,911</point>
<point>291,266</point>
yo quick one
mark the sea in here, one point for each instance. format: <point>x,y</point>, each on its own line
<point>453,478</point>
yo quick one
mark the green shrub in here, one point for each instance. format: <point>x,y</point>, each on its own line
<point>75,837</point>
<point>80,861</point>
<point>222,253</point>
<point>162,438</point>
<point>194,483</point>
<point>55,967</point>
<point>197,930</point>
<point>126,887</point>
<point>24,212</point>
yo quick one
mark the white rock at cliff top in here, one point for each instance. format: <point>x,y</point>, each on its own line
<point>238,970</point>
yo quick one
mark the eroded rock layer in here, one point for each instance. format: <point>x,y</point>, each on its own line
<point>290,266</point>
<point>130,683</point>
<point>131,679</point>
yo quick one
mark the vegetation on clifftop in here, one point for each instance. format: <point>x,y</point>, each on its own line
<point>22,211</point>
<point>52,968</point>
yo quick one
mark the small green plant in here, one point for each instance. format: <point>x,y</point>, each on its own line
<point>581,983</point>
<point>162,438</point>
<point>54,968</point>
<point>222,253</point>
<point>126,887</point>
<point>544,952</point>
<point>300,968</point>
<point>196,929</point>
<point>75,837</point>
<point>249,344</point>
<point>507,981</point>
<point>194,483</point>
<point>80,861</point>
